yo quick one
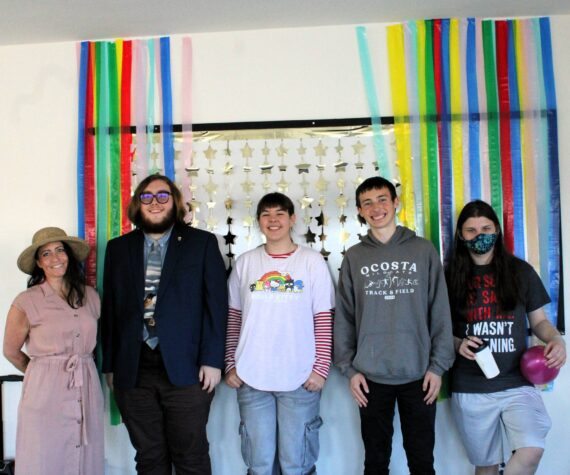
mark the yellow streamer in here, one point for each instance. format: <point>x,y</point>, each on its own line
<point>396,56</point>
<point>456,119</point>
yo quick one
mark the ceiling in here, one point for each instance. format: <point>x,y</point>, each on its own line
<point>44,21</point>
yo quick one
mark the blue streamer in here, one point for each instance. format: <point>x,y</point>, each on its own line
<point>552,131</point>
<point>516,156</point>
<point>447,214</point>
<point>368,76</point>
<point>83,62</point>
<point>167,136</point>
<point>474,116</point>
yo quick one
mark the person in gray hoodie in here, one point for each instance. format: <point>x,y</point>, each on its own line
<point>392,331</point>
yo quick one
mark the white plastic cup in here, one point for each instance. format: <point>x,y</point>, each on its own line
<point>485,360</point>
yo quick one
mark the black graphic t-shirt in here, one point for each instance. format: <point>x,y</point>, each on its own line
<point>505,332</point>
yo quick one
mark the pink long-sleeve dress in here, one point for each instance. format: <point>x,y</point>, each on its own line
<point>60,416</point>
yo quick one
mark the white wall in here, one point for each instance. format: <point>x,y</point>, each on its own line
<point>240,76</point>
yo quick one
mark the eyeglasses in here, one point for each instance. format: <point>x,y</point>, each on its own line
<point>162,197</point>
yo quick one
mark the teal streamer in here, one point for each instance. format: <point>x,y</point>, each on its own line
<point>372,97</point>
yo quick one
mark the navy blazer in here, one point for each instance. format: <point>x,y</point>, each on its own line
<point>191,306</point>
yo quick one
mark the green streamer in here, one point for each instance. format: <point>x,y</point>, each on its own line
<point>432,150</point>
<point>115,146</point>
<point>492,118</point>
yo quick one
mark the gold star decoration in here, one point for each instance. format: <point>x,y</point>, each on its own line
<point>306,202</point>
<point>210,153</point>
<point>341,201</point>
<point>196,206</point>
<point>344,236</point>
<point>281,150</point>
<point>283,185</point>
<point>321,219</point>
<point>301,150</point>
<point>303,167</point>
<point>228,204</point>
<point>340,166</point>
<point>321,184</point>
<point>211,223</point>
<point>246,151</point>
<point>211,204</point>
<point>325,254</point>
<point>320,149</point>
<point>282,168</point>
<point>359,165</point>
<point>247,186</point>
<point>342,219</point>
<point>210,187</point>
<point>322,237</point>
<point>193,171</point>
<point>265,150</point>
<point>339,148</point>
<point>248,221</point>
<point>265,168</point>
<point>228,168</point>
<point>358,147</point>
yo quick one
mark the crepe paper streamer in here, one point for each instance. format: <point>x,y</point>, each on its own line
<point>456,120</point>
<point>126,136</point>
<point>530,102</point>
<point>484,115</point>
<point>186,114</point>
<point>410,44</point>
<point>89,170</point>
<point>114,165</point>
<point>516,156</point>
<point>150,104</point>
<point>168,140</point>
<point>553,165</point>
<point>396,57</point>
<point>441,62</point>
<point>140,80</point>
<point>474,116</point>
<point>492,118</point>
<point>422,108</point>
<point>372,97</point>
<point>432,144</point>
<point>83,64</point>
<point>501,35</point>
<point>464,114</point>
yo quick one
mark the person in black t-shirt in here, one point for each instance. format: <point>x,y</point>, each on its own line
<point>492,294</point>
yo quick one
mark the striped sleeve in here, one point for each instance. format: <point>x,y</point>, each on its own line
<point>323,322</point>
<point>232,337</point>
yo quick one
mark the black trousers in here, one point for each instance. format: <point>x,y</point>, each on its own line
<point>166,423</point>
<point>417,421</point>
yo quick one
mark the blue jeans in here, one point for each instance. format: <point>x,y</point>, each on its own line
<point>279,425</point>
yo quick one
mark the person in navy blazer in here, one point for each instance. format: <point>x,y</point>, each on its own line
<point>164,393</point>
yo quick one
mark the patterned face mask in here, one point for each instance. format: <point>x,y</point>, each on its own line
<point>481,244</point>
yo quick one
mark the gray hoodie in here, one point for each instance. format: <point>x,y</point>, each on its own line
<point>392,318</point>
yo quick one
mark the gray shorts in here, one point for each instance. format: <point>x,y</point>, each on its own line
<point>482,419</point>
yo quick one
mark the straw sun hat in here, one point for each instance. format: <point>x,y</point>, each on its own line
<point>27,259</point>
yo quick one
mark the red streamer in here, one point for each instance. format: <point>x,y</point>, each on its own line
<point>126,137</point>
<point>502,47</point>
<point>89,175</point>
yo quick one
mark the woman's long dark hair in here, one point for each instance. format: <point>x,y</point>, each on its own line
<point>74,278</point>
<point>460,266</point>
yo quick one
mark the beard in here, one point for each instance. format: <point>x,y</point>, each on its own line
<point>159,227</point>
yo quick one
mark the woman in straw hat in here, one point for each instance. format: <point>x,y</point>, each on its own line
<point>60,417</point>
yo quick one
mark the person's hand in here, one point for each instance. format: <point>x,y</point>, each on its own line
<point>431,386</point>
<point>555,352</point>
<point>314,383</point>
<point>467,344</point>
<point>359,386</point>
<point>109,380</point>
<point>209,377</point>
<point>232,379</point>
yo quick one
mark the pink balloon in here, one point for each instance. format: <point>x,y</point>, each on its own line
<point>533,366</point>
